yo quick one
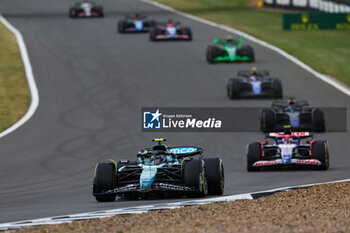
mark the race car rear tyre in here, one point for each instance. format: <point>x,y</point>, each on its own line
<point>317,117</point>
<point>195,177</point>
<point>320,151</point>
<point>103,181</point>
<point>233,88</point>
<point>267,120</point>
<point>276,87</point>
<point>215,175</point>
<point>253,155</point>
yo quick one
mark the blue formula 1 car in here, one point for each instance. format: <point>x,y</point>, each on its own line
<point>294,113</point>
<point>288,150</point>
<point>160,170</point>
<point>135,23</point>
<point>254,84</point>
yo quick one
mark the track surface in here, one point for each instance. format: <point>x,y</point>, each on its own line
<point>93,82</point>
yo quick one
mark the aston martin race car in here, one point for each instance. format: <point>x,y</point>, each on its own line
<point>229,51</point>
<point>294,113</point>
<point>160,170</point>
<point>288,150</point>
<point>85,9</point>
<point>254,84</point>
<point>170,31</point>
<point>135,23</point>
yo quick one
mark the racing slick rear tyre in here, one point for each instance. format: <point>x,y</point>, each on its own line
<point>233,88</point>
<point>276,87</point>
<point>195,177</point>
<point>320,151</point>
<point>267,120</point>
<point>317,117</point>
<point>215,176</point>
<point>253,155</point>
<point>103,181</point>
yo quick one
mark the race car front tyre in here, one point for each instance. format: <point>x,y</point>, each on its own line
<point>276,87</point>
<point>103,181</point>
<point>215,175</point>
<point>153,34</point>
<point>317,117</point>
<point>121,26</point>
<point>320,151</point>
<point>188,32</point>
<point>233,88</point>
<point>195,177</point>
<point>267,120</point>
<point>246,51</point>
<point>253,155</point>
<point>212,52</point>
<point>72,12</point>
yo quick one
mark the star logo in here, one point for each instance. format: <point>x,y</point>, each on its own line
<point>156,115</point>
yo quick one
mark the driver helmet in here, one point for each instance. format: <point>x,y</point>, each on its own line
<point>229,39</point>
<point>170,23</point>
<point>254,71</point>
<point>291,102</point>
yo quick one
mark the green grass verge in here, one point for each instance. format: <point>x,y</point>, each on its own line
<point>14,92</point>
<point>327,51</point>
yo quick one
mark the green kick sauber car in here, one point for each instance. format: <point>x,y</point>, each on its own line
<point>229,51</point>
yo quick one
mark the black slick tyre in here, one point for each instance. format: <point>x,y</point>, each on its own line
<point>320,151</point>
<point>253,155</point>
<point>103,181</point>
<point>195,177</point>
<point>215,175</point>
<point>233,88</point>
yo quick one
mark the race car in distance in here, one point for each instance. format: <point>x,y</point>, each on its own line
<point>85,9</point>
<point>253,84</point>
<point>170,31</point>
<point>288,150</point>
<point>229,51</point>
<point>160,170</point>
<point>294,113</point>
<point>135,23</point>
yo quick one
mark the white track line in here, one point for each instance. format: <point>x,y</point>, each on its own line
<point>333,82</point>
<point>30,79</point>
<point>143,209</point>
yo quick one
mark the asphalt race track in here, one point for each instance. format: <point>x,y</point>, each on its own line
<point>93,82</point>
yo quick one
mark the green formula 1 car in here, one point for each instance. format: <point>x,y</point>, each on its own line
<point>229,51</point>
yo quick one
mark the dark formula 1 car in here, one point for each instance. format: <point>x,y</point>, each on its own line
<point>294,113</point>
<point>85,9</point>
<point>170,31</point>
<point>229,51</point>
<point>135,23</point>
<point>160,170</point>
<point>288,150</point>
<point>248,85</point>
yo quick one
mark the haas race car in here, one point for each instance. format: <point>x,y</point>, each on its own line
<point>170,31</point>
<point>85,9</point>
<point>135,23</point>
<point>254,84</point>
<point>229,50</point>
<point>288,150</point>
<point>160,170</point>
<point>294,113</point>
